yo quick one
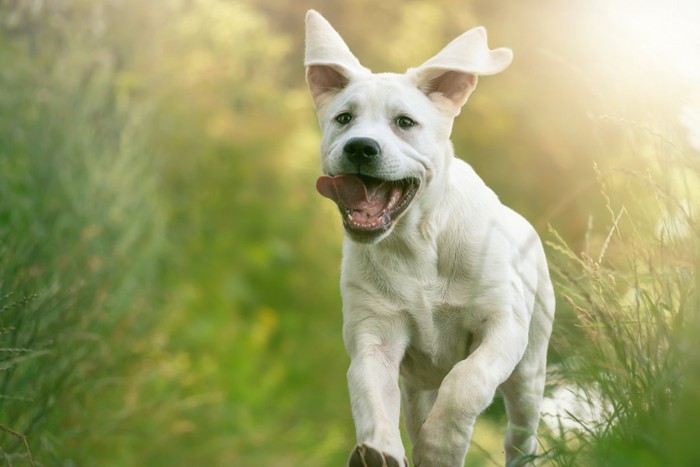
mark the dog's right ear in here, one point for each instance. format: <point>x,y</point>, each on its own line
<point>329,63</point>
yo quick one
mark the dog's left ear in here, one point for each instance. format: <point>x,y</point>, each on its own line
<point>329,63</point>
<point>450,76</point>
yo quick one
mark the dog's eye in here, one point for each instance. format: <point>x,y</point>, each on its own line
<point>405,122</point>
<point>343,118</point>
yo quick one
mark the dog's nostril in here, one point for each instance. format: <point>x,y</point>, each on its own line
<point>361,149</point>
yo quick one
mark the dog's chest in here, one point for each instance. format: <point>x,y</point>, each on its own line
<point>432,294</point>
<point>443,327</point>
<point>440,337</point>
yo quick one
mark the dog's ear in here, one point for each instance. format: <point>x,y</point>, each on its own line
<point>329,63</point>
<point>450,76</point>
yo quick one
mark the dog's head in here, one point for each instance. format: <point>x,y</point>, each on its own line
<point>386,136</point>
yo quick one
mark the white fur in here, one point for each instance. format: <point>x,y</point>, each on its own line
<point>455,299</point>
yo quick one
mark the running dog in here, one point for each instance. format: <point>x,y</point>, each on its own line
<point>444,288</point>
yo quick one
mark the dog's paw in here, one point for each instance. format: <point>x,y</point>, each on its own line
<point>365,456</point>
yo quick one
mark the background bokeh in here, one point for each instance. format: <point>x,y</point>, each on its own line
<point>168,274</point>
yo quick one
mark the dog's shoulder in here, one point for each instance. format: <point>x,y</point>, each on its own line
<point>468,197</point>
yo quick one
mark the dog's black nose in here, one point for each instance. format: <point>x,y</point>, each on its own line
<point>361,150</point>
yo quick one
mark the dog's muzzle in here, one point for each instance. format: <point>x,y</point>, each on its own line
<point>369,206</point>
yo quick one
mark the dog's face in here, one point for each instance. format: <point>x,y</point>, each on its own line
<point>381,145</point>
<point>386,136</point>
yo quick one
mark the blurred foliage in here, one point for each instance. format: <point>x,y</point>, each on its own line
<point>627,338</point>
<point>168,276</point>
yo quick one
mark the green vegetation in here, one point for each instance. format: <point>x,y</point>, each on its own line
<point>168,275</point>
<point>629,345</point>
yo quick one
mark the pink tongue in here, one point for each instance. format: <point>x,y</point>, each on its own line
<point>346,190</point>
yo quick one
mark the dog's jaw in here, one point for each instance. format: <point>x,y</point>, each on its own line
<point>376,235</point>
<point>369,207</point>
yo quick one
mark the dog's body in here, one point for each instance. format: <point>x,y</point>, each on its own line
<point>442,285</point>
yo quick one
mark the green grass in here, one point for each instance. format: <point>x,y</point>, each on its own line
<point>79,233</point>
<point>628,330</point>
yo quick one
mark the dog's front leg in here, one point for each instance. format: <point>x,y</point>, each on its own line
<point>375,396</point>
<point>465,392</point>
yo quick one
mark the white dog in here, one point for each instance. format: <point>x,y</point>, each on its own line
<point>442,285</point>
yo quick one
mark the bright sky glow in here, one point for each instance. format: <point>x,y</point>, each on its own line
<point>665,34</point>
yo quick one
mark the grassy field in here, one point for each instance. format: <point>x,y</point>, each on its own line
<point>628,346</point>
<point>169,277</point>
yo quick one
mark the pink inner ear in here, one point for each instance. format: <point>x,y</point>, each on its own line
<point>323,79</point>
<point>453,85</point>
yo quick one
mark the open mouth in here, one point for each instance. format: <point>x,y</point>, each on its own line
<point>368,205</point>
